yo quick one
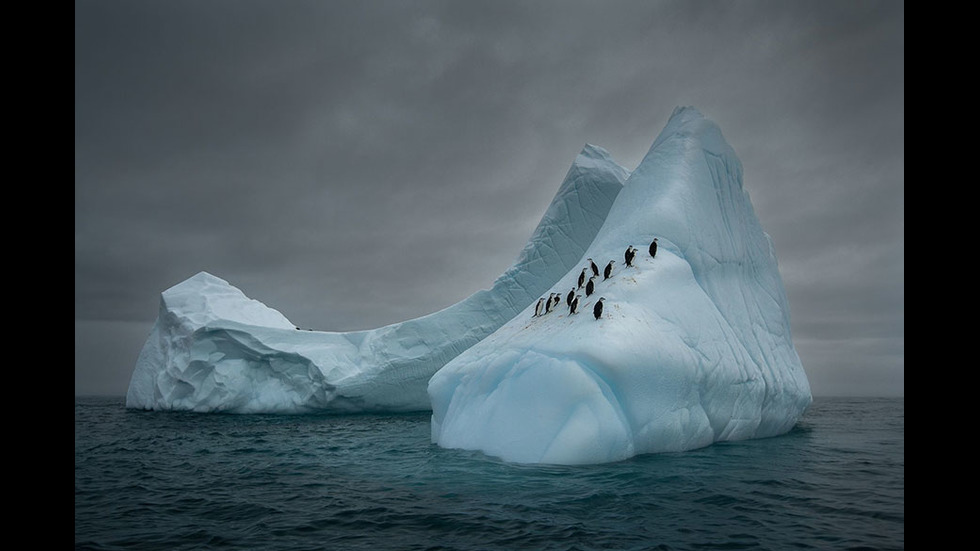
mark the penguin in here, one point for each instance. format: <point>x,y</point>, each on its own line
<point>551,301</point>
<point>581,278</point>
<point>537,309</point>
<point>628,256</point>
<point>595,269</point>
<point>570,297</point>
<point>573,307</point>
<point>557,300</point>
<point>653,248</point>
<point>608,271</point>
<point>597,309</point>
<point>590,286</point>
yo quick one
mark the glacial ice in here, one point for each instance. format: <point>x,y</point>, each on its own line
<point>214,349</point>
<point>693,346</point>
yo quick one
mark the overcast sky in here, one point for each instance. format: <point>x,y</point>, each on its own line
<point>354,164</point>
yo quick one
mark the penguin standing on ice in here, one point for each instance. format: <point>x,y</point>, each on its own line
<point>608,271</point>
<point>570,297</point>
<point>590,286</point>
<point>628,256</point>
<point>573,307</point>
<point>539,307</point>
<point>597,309</point>
<point>595,269</point>
<point>550,303</point>
<point>653,248</point>
<point>581,278</point>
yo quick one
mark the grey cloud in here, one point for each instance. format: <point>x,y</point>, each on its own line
<point>354,164</point>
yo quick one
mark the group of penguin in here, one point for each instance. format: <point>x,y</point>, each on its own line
<point>545,306</point>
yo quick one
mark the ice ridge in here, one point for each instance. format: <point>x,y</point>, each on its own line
<point>212,349</point>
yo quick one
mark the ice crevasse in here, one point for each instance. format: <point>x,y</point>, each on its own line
<point>213,349</point>
<point>693,346</point>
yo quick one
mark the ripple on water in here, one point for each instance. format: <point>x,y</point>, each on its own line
<point>147,480</point>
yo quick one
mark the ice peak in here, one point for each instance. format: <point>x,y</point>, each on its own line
<point>594,152</point>
<point>691,126</point>
<point>593,158</point>
<point>202,278</point>
<point>203,299</point>
<point>686,112</point>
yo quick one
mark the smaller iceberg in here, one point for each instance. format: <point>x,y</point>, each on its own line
<point>213,349</point>
<point>693,345</point>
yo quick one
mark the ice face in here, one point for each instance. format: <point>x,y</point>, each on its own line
<point>214,349</point>
<point>693,346</point>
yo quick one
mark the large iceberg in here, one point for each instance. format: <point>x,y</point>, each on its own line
<point>693,345</point>
<point>214,349</point>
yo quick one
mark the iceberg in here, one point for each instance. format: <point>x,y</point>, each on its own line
<point>693,345</point>
<point>212,349</point>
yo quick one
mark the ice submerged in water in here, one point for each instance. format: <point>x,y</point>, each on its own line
<point>693,346</point>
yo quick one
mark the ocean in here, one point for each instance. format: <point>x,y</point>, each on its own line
<point>174,481</point>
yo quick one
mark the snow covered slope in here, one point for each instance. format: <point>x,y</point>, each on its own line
<point>693,345</point>
<point>214,349</point>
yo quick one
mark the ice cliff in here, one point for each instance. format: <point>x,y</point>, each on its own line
<point>693,346</point>
<point>214,349</point>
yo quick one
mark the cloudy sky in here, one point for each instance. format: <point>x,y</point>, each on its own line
<point>358,163</point>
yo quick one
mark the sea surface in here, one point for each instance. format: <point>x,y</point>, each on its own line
<point>172,481</point>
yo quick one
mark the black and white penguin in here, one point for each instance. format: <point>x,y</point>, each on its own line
<point>570,297</point>
<point>550,303</point>
<point>628,256</point>
<point>597,309</point>
<point>590,286</point>
<point>581,278</point>
<point>557,300</point>
<point>539,307</point>
<point>595,269</point>
<point>608,271</point>
<point>573,307</point>
<point>653,248</point>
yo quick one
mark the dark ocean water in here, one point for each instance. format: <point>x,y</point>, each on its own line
<point>173,481</point>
